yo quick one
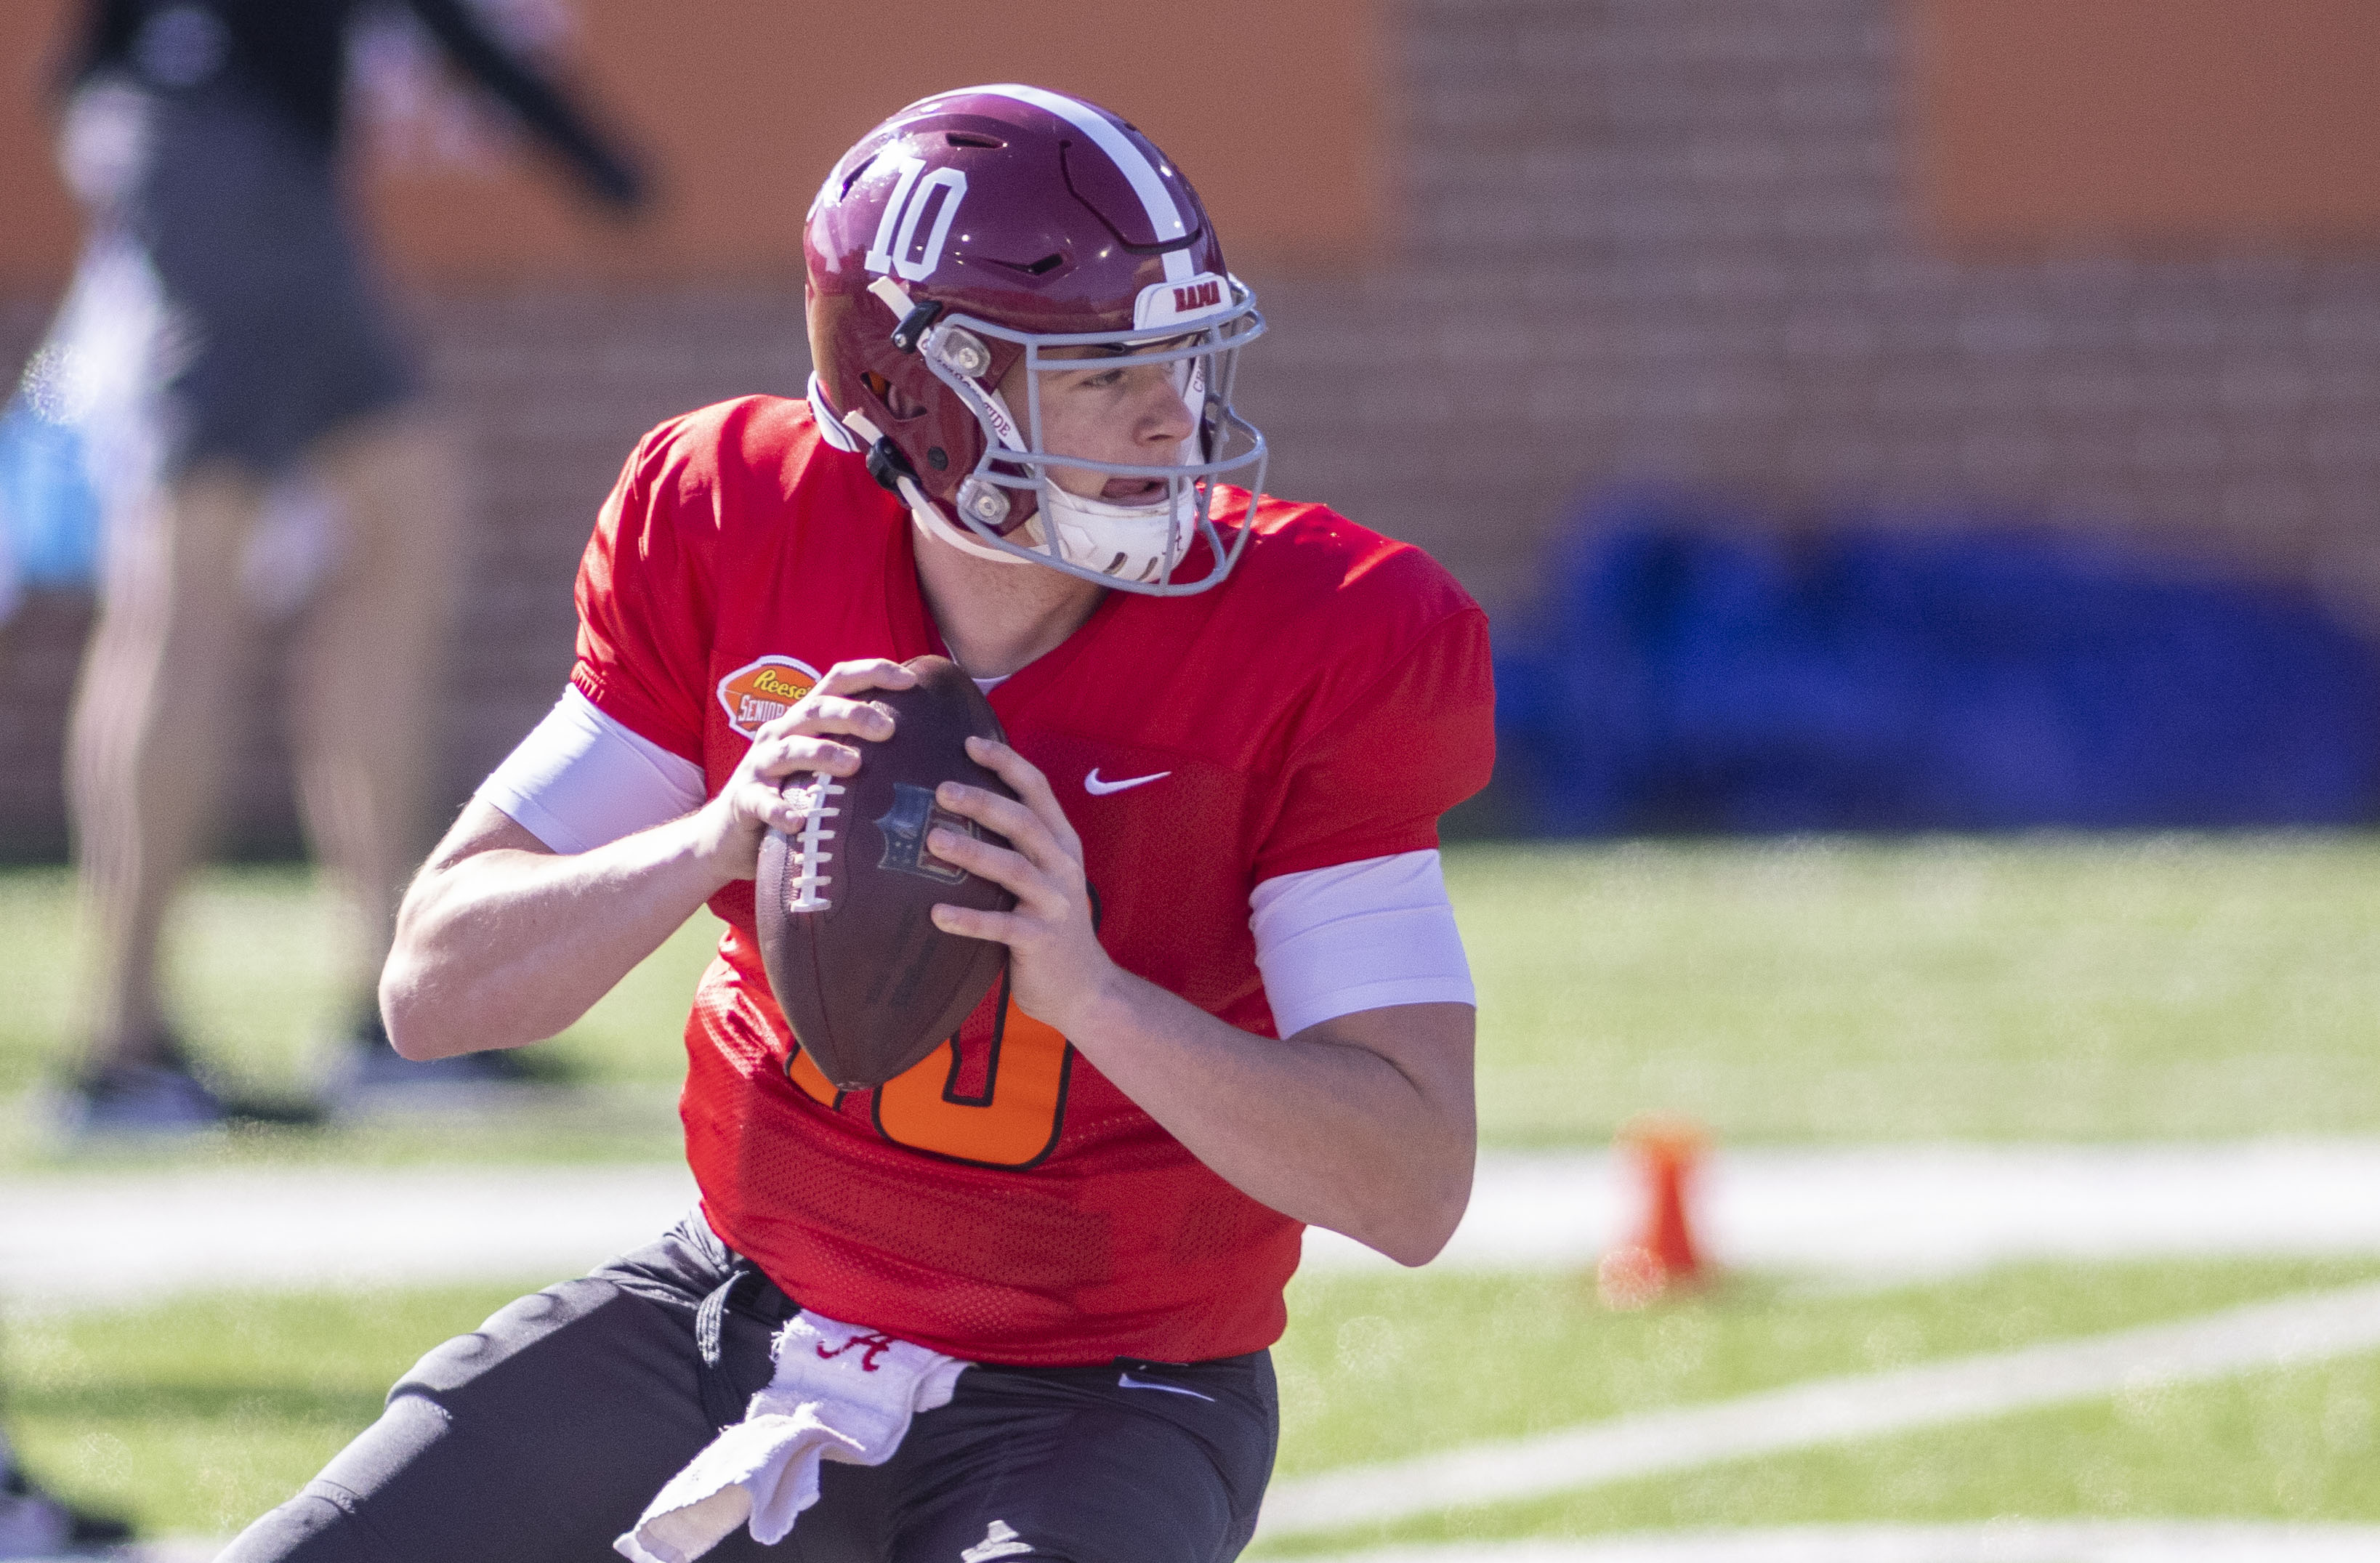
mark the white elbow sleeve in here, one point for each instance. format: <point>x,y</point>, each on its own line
<point>581,778</point>
<point>1358,935</point>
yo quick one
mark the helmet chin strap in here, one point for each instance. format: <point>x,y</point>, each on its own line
<point>830,422</point>
<point>1132,542</point>
<point>1113,539</point>
<point>854,432</point>
<point>928,518</point>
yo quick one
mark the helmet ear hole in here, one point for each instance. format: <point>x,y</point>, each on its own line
<point>897,401</point>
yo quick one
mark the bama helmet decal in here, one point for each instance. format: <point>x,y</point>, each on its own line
<point>764,690</point>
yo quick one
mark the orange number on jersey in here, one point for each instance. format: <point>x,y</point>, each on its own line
<point>804,1072</point>
<point>1013,1123</point>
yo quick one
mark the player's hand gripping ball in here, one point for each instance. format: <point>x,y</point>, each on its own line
<point>869,983</point>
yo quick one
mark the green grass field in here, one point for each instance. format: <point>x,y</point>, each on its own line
<point>252,966</point>
<point>1362,1357</point>
<point>2294,1444</point>
<point>198,1414</point>
<point>2048,988</point>
<point>2037,988</point>
<point>2057,988</point>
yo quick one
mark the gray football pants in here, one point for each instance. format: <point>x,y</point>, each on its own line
<point>543,1435</point>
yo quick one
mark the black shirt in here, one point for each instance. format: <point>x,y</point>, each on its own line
<point>293,55</point>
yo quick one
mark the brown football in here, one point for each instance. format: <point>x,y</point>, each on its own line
<point>867,981</point>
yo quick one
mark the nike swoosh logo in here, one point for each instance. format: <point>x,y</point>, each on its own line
<point>1129,1382</point>
<point>985,1551</point>
<point>1099,789</point>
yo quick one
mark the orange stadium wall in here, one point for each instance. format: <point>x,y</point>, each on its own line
<point>2106,264</point>
<point>2159,124</point>
<point>743,105</point>
<point>552,336</point>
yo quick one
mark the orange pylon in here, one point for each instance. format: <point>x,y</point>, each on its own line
<point>1663,1255</point>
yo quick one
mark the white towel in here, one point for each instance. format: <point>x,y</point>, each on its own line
<point>840,1393</point>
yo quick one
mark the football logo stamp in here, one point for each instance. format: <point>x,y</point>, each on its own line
<point>764,691</point>
<point>914,812</point>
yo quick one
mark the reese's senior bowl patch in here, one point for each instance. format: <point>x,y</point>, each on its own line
<point>764,691</point>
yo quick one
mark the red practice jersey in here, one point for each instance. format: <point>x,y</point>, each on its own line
<point>1001,1201</point>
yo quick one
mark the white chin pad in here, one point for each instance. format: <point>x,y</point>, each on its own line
<point>1132,542</point>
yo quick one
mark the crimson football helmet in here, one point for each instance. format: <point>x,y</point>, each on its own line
<point>983,227</point>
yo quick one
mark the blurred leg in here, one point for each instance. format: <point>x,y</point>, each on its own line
<point>35,1524</point>
<point>146,748</point>
<point>365,664</point>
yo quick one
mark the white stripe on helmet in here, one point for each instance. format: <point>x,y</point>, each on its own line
<point>1164,215</point>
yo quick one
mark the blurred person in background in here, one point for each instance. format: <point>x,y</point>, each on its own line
<point>34,1523</point>
<point>204,139</point>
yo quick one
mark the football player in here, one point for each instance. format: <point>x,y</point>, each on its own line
<point>1237,1001</point>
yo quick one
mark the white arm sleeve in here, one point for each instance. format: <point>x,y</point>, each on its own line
<point>581,778</point>
<point>1358,935</point>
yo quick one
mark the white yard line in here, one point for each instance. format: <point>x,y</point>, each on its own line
<point>1862,1214</point>
<point>2304,1328</point>
<point>1998,1541</point>
<point>180,1551</point>
<point>101,1238</point>
<point>1890,1212</point>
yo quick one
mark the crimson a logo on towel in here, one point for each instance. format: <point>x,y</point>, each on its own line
<point>871,1347</point>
